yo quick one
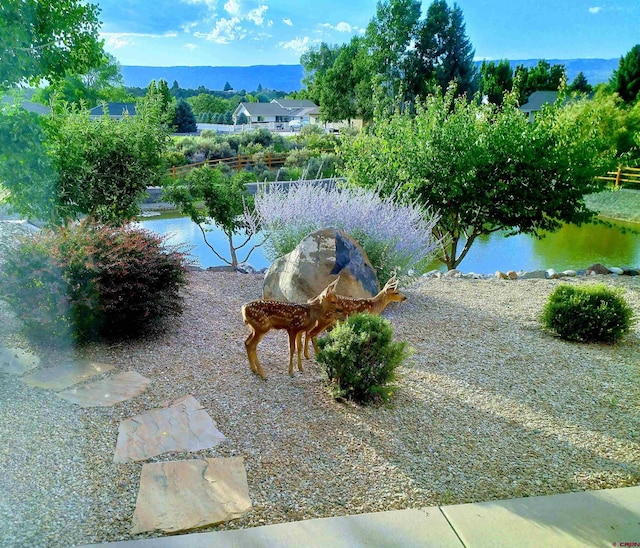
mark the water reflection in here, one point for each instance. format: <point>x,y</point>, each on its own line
<point>182,230</point>
<point>571,247</point>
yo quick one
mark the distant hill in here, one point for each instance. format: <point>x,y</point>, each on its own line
<point>289,77</point>
<point>277,77</point>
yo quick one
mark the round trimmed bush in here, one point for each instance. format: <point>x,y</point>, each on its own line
<point>359,358</point>
<point>592,313</point>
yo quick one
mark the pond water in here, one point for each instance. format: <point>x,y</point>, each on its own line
<point>571,247</point>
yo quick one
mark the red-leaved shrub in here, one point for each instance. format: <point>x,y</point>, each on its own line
<point>90,280</point>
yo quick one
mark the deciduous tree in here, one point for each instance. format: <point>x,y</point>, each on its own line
<point>47,39</point>
<point>208,197</point>
<point>388,37</point>
<point>100,168</point>
<point>484,168</point>
<point>316,61</point>
<point>338,94</point>
<point>496,80</point>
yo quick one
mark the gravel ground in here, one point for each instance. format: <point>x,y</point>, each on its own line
<point>489,407</point>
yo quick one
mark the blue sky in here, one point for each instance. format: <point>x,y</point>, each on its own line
<point>271,32</point>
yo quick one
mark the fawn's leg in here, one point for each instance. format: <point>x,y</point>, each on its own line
<point>313,335</point>
<point>292,347</point>
<point>299,348</point>
<point>248,346</point>
<point>252,352</point>
<point>307,335</point>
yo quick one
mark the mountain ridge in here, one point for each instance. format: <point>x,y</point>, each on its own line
<point>288,78</point>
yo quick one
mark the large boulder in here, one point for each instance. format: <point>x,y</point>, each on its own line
<point>315,263</point>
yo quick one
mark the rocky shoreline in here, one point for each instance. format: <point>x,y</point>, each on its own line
<point>549,274</point>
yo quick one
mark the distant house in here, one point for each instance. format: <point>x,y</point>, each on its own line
<point>278,113</point>
<point>29,106</point>
<point>114,110</point>
<point>536,101</point>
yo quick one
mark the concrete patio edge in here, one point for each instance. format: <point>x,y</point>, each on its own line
<point>609,517</point>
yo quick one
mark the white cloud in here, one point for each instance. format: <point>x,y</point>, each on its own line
<point>186,28</point>
<point>211,4</point>
<point>288,22</point>
<point>340,27</point>
<point>118,40</point>
<point>257,16</point>
<point>343,27</point>
<point>595,9</point>
<point>232,7</point>
<point>299,45</point>
<point>191,46</point>
<point>225,31</point>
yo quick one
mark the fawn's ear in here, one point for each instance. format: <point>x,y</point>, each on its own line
<point>392,283</point>
<point>332,286</point>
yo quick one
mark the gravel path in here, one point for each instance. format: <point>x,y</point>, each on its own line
<point>489,407</point>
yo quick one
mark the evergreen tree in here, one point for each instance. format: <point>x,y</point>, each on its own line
<point>626,78</point>
<point>580,84</point>
<point>175,88</point>
<point>443,52</point>
<point>227,87</point>
<point>184,120</point>
<point>242,119</point>
<point>458,53</point>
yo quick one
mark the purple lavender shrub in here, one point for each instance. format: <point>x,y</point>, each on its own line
<point>397,236</point>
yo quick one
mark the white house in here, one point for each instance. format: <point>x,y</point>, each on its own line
<point>278,114</point>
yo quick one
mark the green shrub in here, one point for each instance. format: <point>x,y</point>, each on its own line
<point>175,158</point>
<point>88,281</point>
<point>593,313</point>
<point>298,158</point>
<point>359,358</point>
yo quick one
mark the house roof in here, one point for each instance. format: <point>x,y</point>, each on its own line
<point>30,106</point>
<point>274,108</point>
<point>537,99</point>
<point>114,109</point>
<point>295,103</point>
<point>264,109</point>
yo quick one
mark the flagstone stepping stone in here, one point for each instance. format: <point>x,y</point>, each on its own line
<point>17,361</point>
<point>182,495</point>
<point>108,392</point>
<point>63,376</point>
<point>183,425</point>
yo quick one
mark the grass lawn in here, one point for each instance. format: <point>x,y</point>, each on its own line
<point>622,204</point>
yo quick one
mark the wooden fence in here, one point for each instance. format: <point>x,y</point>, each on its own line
<point>238,162</point>
<point>623,175</point>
